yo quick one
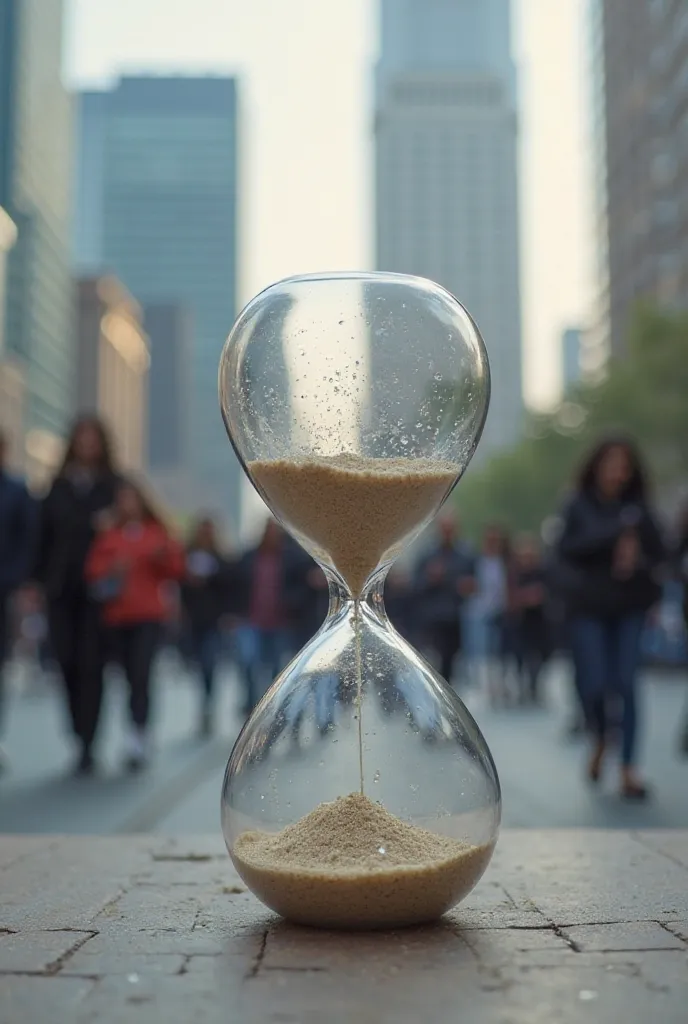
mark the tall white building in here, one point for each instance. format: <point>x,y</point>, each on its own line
<point>446,172</point>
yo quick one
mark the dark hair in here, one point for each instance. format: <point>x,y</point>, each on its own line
<point>682,521</point>
<point>196,527</point>
<point>106,463</point>
<point>635,489</point>
<point>501,535</point>
<point>148,506</point>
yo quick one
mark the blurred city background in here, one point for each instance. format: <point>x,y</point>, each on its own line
<point>163,160</point>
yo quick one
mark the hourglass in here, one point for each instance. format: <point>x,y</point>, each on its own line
<point>360,792</point>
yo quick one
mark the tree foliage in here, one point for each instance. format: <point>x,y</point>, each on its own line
<point>644,394</point>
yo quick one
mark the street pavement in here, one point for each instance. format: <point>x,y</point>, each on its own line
<point>541,770</point>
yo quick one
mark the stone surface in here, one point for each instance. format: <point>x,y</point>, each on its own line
<point>565,927</point>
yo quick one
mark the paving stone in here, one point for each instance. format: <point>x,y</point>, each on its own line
<point>132,965</point>
<point>38,952</point>
<point>613,938</point>
<point>496,947</point>
<point>679,928</point>
<point>668,843</point>
<point>565,927</point>
<point>32,1000</point>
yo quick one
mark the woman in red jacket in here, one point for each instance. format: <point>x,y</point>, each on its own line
<point>128,568</point>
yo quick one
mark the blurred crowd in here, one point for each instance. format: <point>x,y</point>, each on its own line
<point>92,574</point>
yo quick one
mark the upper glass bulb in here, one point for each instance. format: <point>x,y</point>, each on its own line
<point>355,402</point>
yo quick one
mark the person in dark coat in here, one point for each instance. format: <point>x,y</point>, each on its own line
<point>681,564</point>
<point>264,638</point>
<point>443,579</point>
<point>612,549</point>
<point>17,525</point>
<point>210,591</point>
<point>528,608</point>
<point>78,505</point>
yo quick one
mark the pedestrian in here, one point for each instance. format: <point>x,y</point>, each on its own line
<point>128,568</point>
<point>17,527</point>
<point>488,611</point>
<point>612,547</point>
<point>209,593</point>
<point>263,639</point>
<point>77,505</point>
<point>681,563</point>
<point>528,603</point>
<point>444,578</point>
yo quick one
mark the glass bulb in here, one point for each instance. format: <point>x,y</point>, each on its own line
<point>360,792</point>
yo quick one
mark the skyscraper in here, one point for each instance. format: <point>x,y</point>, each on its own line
<point>446,175</point>
<point>170,333</point>
<point>571,346</point>
<point>35,148</point>
<point>113,360</point>
<point>156,201</point>
<point>640,67</point>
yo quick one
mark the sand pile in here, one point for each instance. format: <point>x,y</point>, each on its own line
<point>352,864</point>
<point>354,508</point>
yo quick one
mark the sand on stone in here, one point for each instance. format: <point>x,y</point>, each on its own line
<point>352,864</point>
<point>353,508</point>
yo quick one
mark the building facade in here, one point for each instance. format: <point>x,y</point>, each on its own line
<point>641,56</point>
<point>156,193</point>
<point>170,337</point>
<point>35,189</point>
<point>446,173</point>
<point>571,353</point>
<point>11,380</point>
<point>113,361</point>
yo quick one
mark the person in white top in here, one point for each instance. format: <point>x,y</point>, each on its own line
<point>488,609</point>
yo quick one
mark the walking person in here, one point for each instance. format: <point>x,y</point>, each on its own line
<point>529,615</point>
<point>128,568</point>
<point>613,548</point>
<point>78,505</point>
<point>444,578</point>
<point>209,593</point>
<point>263,640</point>
<point>17,525</point>
<point>681,563</point>
<point>488,610</point>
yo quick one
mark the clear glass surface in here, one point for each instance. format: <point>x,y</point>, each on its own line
<point>355,402</point>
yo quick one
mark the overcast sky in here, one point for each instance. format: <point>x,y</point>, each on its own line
<point>306,128</point>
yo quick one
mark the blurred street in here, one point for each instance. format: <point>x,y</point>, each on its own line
<point>541,769</point>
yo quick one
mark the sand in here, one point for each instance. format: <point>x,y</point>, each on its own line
<point>354,509</point>
<point>352,864</point>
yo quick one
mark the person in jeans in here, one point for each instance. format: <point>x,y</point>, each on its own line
<point>77,505</point>
<point>128,567</point>
<point>264,639</point>
<point>209,591</point>
<point>443,579</point>
<point>489,607</point>
<point>528,608</point>
<point>612,547</point>
<point>17,525</point>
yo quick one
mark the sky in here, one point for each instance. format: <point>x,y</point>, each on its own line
<point>306,128</point>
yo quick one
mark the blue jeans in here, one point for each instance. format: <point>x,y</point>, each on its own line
<point>262,653</point>
<point>205,650</point>
<point>607,656</point>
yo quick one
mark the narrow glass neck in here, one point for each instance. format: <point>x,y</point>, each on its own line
<point>342,600</point>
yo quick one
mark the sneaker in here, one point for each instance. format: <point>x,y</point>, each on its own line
<point>86,764</point>
<point>136,755</point>
<point>135,764</point>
